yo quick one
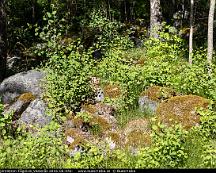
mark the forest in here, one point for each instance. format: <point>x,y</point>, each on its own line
<point>107,84</point>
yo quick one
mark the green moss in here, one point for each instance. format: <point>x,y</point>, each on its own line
<point>181,109</point>
<point>27,97</point>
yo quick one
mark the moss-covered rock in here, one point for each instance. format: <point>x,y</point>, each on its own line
<point>181,109</point>
<point>112,91</point>
<point>158,93</point>
<point>137,133</point>
<point>150,98</point>
<point>75,137</point>
<point>19,105</point>
<point>98,109</point>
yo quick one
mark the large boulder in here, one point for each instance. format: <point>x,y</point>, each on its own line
<point>35,115</point>
<point>20,83</point>
<point>19,105</point>
<point>181,109</point>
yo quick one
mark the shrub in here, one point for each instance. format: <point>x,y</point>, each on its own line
<point>44,150</point>
<point>167,150</point>
<point>68,81</point>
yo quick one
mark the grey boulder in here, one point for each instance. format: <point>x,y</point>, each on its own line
<point>147,105</point>
<point>21,83</point>
<point>35,115</point>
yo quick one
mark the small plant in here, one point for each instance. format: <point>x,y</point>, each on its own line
<point>86,117</point>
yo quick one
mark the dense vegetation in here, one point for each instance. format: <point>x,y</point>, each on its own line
<point>99,44</point>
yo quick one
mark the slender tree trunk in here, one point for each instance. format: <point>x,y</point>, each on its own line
<point>210,31</point>
<point>3,40</point>
<point>155,18</point>
<point>33,11</point>
<point>191,32</point>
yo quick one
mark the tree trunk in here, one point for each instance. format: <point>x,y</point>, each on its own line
<point>3,40</point>
<point>155,18</point>
<point>191,33</point>
<point>210,31</point>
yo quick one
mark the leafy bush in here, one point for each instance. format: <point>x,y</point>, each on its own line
<point>68,80</point>
<point>107,33</point>
<point>43,150</point>
<point>167,150</point>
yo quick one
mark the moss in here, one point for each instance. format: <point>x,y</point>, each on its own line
<point>181,109</point>
<point>138,138</point>
<point>139,62</point>
<point>77,135</point>
<point>142,124</point>
<point>157,93</point>
<point>115,137</point>
<point>137,133</point>
<point>89,108</point>
<point>101,123</point>
<point>27,97</point>
<point>78,122</point>
<point>112,91</point>
<point>70,115</point>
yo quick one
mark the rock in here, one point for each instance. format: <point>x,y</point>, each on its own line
<point>99,95</point>
<point>21,83</point>
<point>181,109</point>
<point>147,105</point>
<point>98,109</point>
<point>137,133</point>
<point>150,98</point>
<point>19,106</point>
<point>35,115</point>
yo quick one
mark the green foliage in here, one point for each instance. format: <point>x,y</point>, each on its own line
<point>209,155</point>
<point>50,35</point>
<point>167,150</point>
<point>208,123</point>
<point>41,151</point>
<point>91,157</point>
<point>107,33</point>
<point>7,127</point>
<point>84,116</point>
<point>168,47</point>
<point>68,80</point>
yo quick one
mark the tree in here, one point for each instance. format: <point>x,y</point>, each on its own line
<point>191,32</point>
<point>3,40</point>
<point>210,31</point>
<point>155,18</point>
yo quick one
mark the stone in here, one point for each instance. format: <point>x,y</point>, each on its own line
<point>137,133</point>
<point>20,83</point>
<point>181,109</point>
<point>147,105</point>
<point>150,98</point>
<point>19,106</point>
<point>35,115</point>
